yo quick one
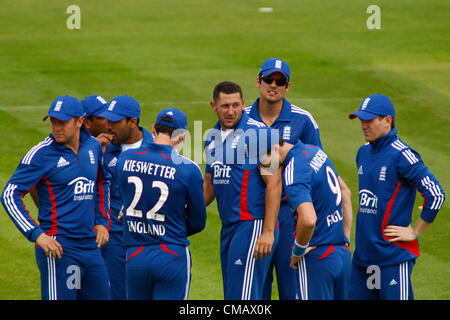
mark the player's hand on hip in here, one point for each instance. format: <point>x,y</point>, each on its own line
<point>296,259</point>
<point>102,237</point>
<point>398,233</point>
<point>49,245</point>
<point>263,245</point>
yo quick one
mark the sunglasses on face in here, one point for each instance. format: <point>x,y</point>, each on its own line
<point>280,81</point>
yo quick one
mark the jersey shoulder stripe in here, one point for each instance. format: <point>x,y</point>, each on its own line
<point>248,109</point>
<point>289,173</point>
<point>405,150</point>
<point>397,144</point>
<point>255,123</point>
<point>412,159</point>
<point>295,109</point>
<point>29,156</point>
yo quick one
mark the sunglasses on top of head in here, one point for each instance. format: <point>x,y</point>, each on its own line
<point>280,81</point>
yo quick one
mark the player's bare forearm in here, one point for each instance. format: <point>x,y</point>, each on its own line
<point>347,211</point>
<point>208,189</point>
<point>306,222</point>
<point>272,200</point>
<point>263,246</point>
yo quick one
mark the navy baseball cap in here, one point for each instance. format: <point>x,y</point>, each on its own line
<point>373,106</point>
<point>65,108</point>
<point>122,107</point>
<point>272,65</point>
<point>94,105</point>
<point>179,120</point>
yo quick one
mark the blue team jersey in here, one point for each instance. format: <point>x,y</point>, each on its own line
<point>310,176</point>
<point>111,154</point>
<point>72,189</point>
<point>390,173</point>
<point>233,164</point>
<point>162,195</point>
<point>293,123</point>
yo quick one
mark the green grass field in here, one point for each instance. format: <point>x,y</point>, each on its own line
<point>173,53</point>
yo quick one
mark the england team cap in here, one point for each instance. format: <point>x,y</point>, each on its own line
<point>177,118</point>
<point>272,65</point>
<point>65,108</point>
<point>94,105</point>
<point>373,106</point>
<point>122,107</point>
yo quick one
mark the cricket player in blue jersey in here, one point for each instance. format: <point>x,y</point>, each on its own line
<point>390,174</point>
<point>73,194</point>
<point>123,131</point>
<point>163,205</point>
<point>320,253</point>
<point>294,124</point>
<point>248,200</point>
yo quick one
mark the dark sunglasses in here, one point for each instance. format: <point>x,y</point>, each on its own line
<point>280,81</point>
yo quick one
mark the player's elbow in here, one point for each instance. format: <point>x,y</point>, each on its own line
<point>307,217</point>
<point>308,221</point>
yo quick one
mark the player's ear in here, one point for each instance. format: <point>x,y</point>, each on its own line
<point>213,105</point>
<point>389,121</point>
<point>79,122</point>
<point>86,123</point>
<point>134,122</point>
<point>153,130</point>
<point>181,137</point>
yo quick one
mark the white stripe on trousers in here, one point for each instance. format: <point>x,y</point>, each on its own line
<point>404,281</point>
<point>250,263</point>
<point>52,293</point>
<point>188,267</point>
<point>302,278</point>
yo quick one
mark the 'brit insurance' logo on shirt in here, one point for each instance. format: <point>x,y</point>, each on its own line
<point>221,173</point>
<point>83,188</point>
<point>368,201</point>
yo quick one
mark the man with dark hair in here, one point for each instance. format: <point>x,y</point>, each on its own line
<point>163,205</point>
<point>320,252</point>
<point>248,199</point>
<point>93,106</point>
<point>123,114</point>
<point>295,124</point>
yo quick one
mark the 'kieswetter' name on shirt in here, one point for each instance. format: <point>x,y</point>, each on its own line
<point>149,168</point>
